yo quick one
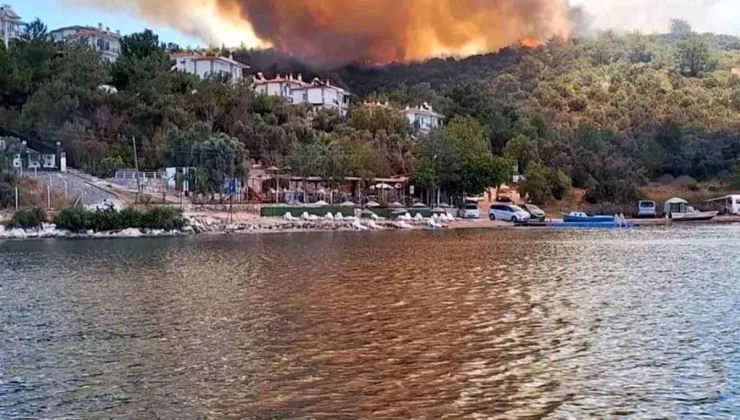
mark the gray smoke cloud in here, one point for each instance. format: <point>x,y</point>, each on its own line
<point>719,16</point>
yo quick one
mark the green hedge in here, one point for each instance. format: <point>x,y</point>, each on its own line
<point>81,220</point>
<point>27,219</point>
<point>279,211</point>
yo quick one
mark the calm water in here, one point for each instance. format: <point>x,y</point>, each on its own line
<point>475,324</point>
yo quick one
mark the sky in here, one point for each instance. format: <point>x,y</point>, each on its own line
<point>720,16</point>
<point>55,15</point>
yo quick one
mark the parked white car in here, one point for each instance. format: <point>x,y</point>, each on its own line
<point>470,211</point>
<point>508,213</point>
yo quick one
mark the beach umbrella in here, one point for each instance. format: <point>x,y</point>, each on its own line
<point>445,206</point>
<point>368,214</point>
<point>347,204</point>
<point>372,204</point>
<point>396,205</point>
<point>382,186</point>
<point>419,205</point>
<point>322,203</point>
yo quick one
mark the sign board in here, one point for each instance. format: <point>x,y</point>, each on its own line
<point>231,188</point>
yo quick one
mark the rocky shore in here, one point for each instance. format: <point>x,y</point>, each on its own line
<point>209,225</point>
<point>50,231</point>
<point>206,225</point>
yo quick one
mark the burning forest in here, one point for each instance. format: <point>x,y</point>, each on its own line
<point>337,32</point>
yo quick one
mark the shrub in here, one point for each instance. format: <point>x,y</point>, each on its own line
<point>613,192</point>
<point>76,219</point>
<point>27,219</point>
<point>7,194</point>
<point>165,218</point>
<point>81,220</point>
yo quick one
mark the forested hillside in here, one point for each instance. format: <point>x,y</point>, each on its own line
<point>606,114</point>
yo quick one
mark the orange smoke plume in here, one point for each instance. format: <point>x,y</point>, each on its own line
<point>530,42</point>
<point>342,31</point>
<point>347,31</point>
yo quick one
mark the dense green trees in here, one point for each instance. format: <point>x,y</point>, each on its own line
<point>602,114</point>
<point>458,159</point>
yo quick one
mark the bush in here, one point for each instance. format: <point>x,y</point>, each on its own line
<point>613,192</point>
<point>76,219</point>
<point>8,183</point>
<point>27,219</point>
<point>165,218</point>
<point>82,220</point>
<point>7,195</point>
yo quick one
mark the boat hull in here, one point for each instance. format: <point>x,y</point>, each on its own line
<point>567,218</point>
<point>694,217</point>
<point>590,225</point>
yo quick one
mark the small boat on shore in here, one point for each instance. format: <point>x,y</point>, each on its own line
<point>678,210</point>
<point>581,217</point>
<point>614,224</point>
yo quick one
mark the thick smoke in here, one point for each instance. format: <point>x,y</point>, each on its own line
<point>386,30</point>
<point>720,16</point>
<point>337,32</point>
<point>366,31</point>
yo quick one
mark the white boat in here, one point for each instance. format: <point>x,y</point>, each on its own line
<point>678,210</point>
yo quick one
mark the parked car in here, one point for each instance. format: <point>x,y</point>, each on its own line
<point>504,195</point>
<point>535,213</point>
<point>470,211</point>
<point>646,209</point>
<point>508,213</point>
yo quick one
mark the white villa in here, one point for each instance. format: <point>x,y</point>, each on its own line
<point>317,93</point>
<point>100,39</point>
<point>423,118</point>
<point>47,156</point>
<point>10,24</point>
<point>205,66</point>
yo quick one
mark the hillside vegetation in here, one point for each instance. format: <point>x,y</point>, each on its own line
<point>606,114</point>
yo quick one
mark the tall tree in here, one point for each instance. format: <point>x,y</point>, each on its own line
<point>694,57</point>
<point>35,31</point>
<point>681,27</point>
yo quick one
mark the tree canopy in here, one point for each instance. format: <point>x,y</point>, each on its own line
<point>598,113</point>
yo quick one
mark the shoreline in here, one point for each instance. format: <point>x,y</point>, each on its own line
<point>213,226</point>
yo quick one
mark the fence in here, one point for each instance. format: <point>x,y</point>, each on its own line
<point>387,213</point>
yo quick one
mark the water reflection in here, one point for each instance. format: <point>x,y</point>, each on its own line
<point>511,324</point>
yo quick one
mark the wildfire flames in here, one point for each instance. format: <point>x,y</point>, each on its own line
<point>344,31</point>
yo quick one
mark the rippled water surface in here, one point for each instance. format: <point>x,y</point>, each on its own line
<point>506,324</point>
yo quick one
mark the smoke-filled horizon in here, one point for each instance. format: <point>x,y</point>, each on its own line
<point>379,31</point>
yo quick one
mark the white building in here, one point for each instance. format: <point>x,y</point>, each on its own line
<point>279,86</point>
<point>10,24</point>
<point>423,118</point>
<point>100,39</point>
<point>204,66</point>
<point>318,94</point>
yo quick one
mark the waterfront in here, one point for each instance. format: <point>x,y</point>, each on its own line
<point>503,324</point>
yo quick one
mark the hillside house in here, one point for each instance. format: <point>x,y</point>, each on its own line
<point>318,94</point>
<point>205,66</point>
<point>423,118</point>
<point>100,39</point>
<point>43,157</point>
<point>10,24</point>
<point>279,86</point>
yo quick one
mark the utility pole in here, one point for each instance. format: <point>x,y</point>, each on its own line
<point>136,163</point>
